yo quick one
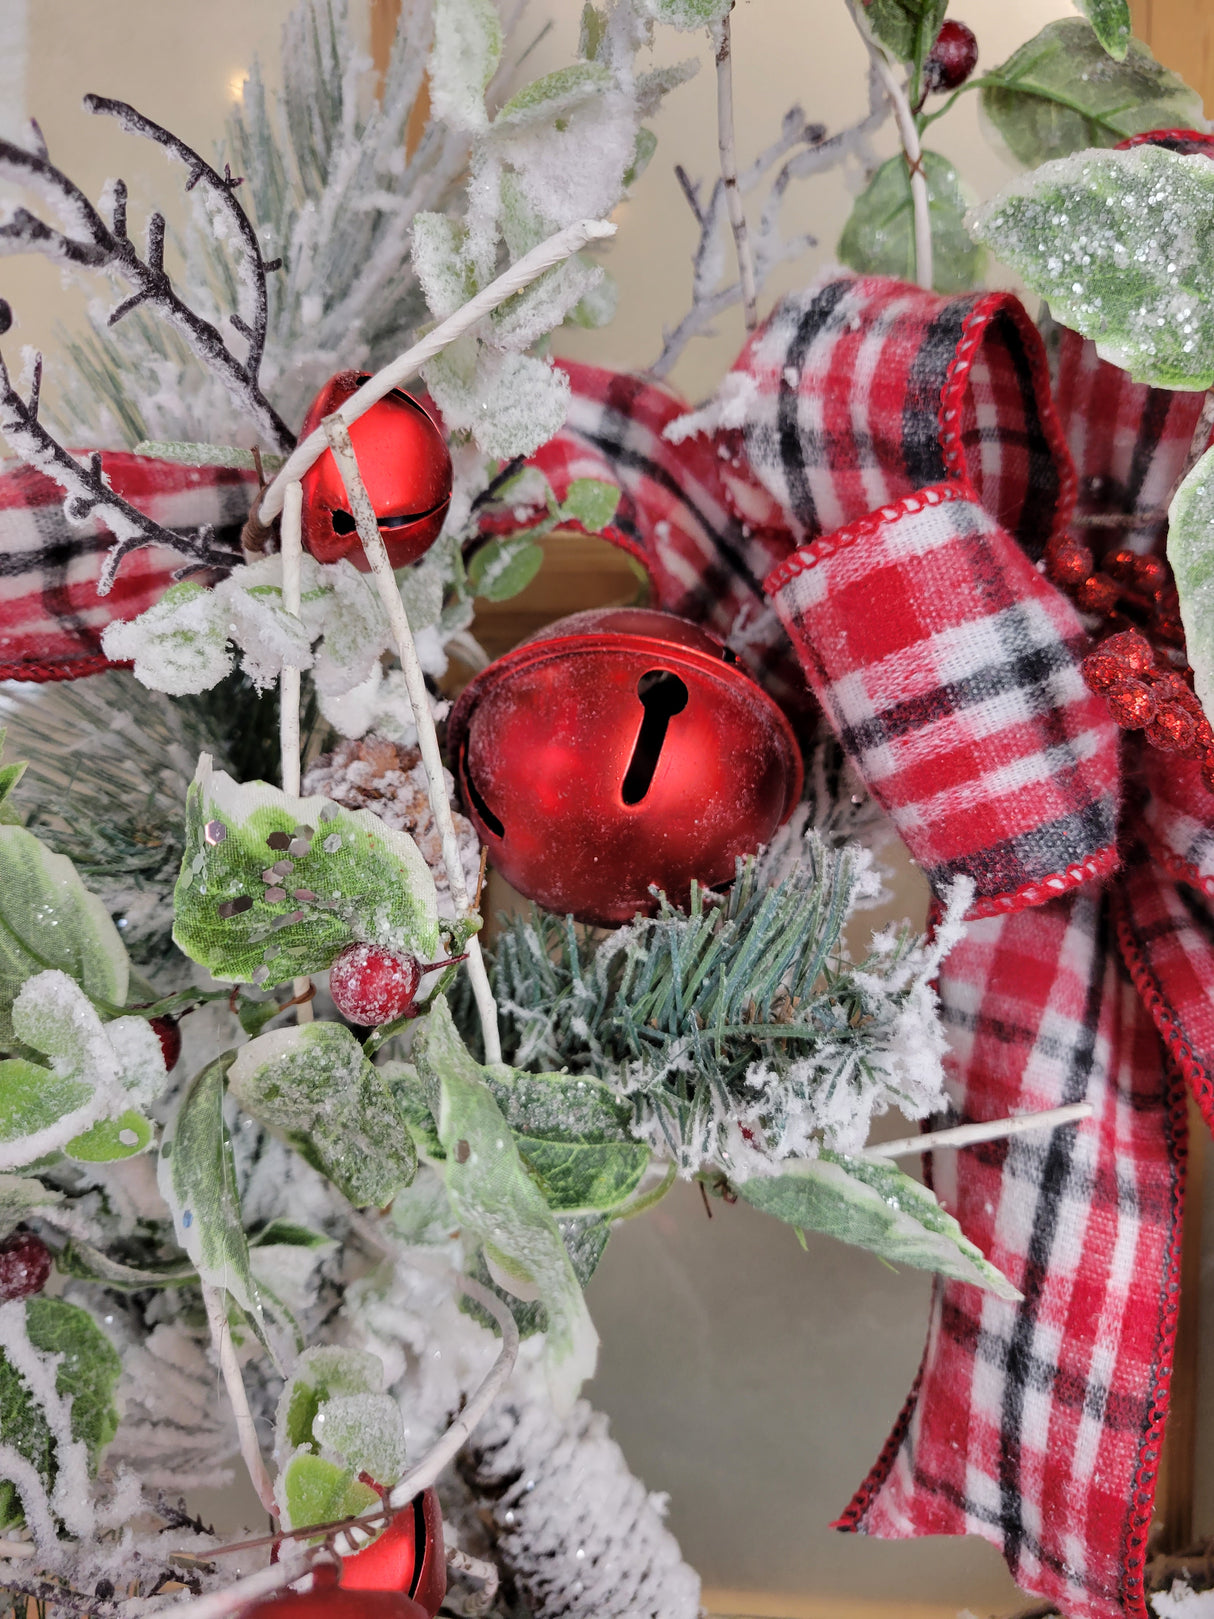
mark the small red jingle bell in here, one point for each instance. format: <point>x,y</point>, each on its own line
<point>404,463</point>
<point>618,749</point>
<point>327,1600</point>
<point>408,1556</point>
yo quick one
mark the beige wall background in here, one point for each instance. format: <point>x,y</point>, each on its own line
<point>752,1381</point>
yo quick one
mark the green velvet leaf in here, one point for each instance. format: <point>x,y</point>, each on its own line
<point>1110,20</point>
<point>197,1174</point>
<point>554,96</point>
<point>87,1372</point>
<point>349,878</point>
<point>10,775</point>
<point>875,1206</point>
<point>33,1098</point>
<point>1062,92</point>
<point>316,1491</point>
<point>313,1085</point>
<point>1122,246</point>
<point>879,236</point>
<point>111,1139</point>
<point>504,567</point>
<point>290,1234</point>
<point>591,502</point>
<point>49,919</point>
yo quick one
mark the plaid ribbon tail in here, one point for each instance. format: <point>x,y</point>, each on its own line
<point>1038,1425</point>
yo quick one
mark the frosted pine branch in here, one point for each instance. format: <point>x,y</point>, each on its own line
<point>87,493</point>
<point>89,243</point>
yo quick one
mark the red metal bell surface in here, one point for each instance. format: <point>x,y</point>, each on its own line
<point>408,1556</point>
<point>328,1600</point>
<point>404,463</point>
<point>618,749</point>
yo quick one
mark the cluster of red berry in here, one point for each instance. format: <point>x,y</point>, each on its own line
<point>1141,672</point>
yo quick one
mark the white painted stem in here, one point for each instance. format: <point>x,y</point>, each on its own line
<point>555,250</point>
<point>909,134</point>
<point>17,1550</point>
<point>293,1563</point>
<point>968,1135</point>
<point>291,540</point>
<point>214,1299</point>
<point>727,147</point>
<point>337,436</point>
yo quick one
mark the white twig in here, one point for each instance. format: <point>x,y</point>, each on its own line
<point>337,435</point>
<point>555,250</point>
<point>221,1337</point>
<point>475,1568</point>
<point>17,1549</point>
<point>293,1562</point>
<point>967,1135</point>
<point>909,133</point>
<point>291,540</point>
<point>729,173</point>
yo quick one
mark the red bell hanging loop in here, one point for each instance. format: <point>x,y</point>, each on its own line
<point>618,749</point>
<point>404,463</point>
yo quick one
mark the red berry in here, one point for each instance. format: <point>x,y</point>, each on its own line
<point>1150,573</point>
<point>952,58</point>
<point>1169,628</point>
<point>168,1032</point>
<point>1207,770</point>
<point>1121,565</point>
<point>371,985</point>
<point>1069,563</point>
<point>1132,703</point>
<point>1171,729</point>
<point>1101,670</point>
<point>1099,594</point>
<point>1133,650</point>
<point>25,1264</point>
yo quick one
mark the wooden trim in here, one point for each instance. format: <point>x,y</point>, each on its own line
<point>728,1604</point>
<point>1181,35</point>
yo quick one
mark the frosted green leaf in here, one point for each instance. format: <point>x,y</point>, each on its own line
<point>651,90</point>
<point>554,96</point>
<point>573,1134</point>
<point>316,1491</point>
<point>87,1373</point>
<point>497,1201</point>
<point>197,1175</point>
<point>1121,244</point>
<point>89,1264</point>
<point>363,1433</point>
<point>511,403</point>
<point>907,28</point>
<point>32,1100</point>
<point>467,48</point>
<point>1062,92</point>
<point>686,14</point>
<point>531,314</point>
<point>290,1234</point>
<point>879,236</point>
<point>21,1196</point>
<point>208,455</point>
<point>591,502</point>
<point>343,876</point>
<point>1110,20</point>
<point>1191,553</point>
<point>111,1139</point>
<point>321,1373</point>
<point>49,919</point>
<point>179,645</point>
<point>440,265</point>
<point>875,1206</point>
<point>504,567</point>
<point>313,1085</point>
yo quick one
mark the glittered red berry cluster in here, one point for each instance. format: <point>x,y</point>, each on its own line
<point>1139,667</point>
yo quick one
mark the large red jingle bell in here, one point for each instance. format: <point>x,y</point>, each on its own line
<point>618,749</point>
<point>409,1556</point>
<point>327,1600</point>
<point>405,464</point>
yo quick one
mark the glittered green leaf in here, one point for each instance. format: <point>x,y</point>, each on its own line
<point>1122,246</point>
<point>111,1139</point>
<point>316,1491</point>
<point>322,1373</point>
<point>1062,92</point>
<point>879,236</point>
<point>572,1133</point>
<point>313,1085</point>
<point>272,887</point>
<point>87,1372</point>
<point>467,48</point>
<point>591,502</point>
<point>504,567</point>
<point>49,919</point>
<point>1110,20</point>
<point>197,1174</point>
<point>875,1206</point>
<point>1191,553</point>
<point>497,1201</point>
